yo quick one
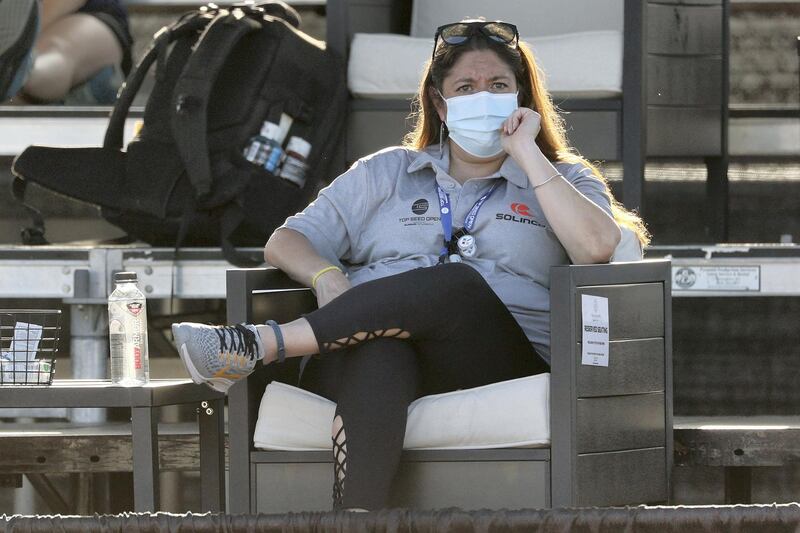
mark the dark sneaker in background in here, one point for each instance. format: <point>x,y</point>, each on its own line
<point>19,21</point>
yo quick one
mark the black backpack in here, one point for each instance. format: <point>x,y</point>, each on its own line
<point>184,179</point>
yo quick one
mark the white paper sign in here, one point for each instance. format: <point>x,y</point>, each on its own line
<point>25,343</point>
<point>594,337</point>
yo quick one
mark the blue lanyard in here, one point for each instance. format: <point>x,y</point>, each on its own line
<point>447,215</point>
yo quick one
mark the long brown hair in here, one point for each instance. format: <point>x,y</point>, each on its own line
<point>552,138</point>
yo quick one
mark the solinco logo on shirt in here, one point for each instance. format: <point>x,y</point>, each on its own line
<point>419,208</point>
<point>521,209</point>
<point>520,213</point>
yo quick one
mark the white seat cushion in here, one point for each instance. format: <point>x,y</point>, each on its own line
<point>509,414</point>
<point>538,18</point>
<point>576,65</point>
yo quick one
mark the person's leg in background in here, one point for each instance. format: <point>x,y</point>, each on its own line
<point>69,51</point>
<point>53,10</point>
<point>77,53</point>
<point>372,385</point>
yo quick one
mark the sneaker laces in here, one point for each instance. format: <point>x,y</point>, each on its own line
<point>242,340</point>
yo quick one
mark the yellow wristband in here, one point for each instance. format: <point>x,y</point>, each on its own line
<point>321,272</point>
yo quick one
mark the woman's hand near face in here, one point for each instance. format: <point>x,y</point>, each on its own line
<point>330,285</point>
<point>588,234</point>
<point>518,133</point>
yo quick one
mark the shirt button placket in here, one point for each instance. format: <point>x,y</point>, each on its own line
<point>455,203</point>
<point>450,187</point>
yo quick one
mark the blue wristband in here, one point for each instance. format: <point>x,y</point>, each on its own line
<point>278,339</point>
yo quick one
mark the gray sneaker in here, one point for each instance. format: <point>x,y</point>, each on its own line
<point>218,356</point>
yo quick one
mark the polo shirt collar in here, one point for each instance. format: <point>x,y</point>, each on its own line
<point>439,162</point>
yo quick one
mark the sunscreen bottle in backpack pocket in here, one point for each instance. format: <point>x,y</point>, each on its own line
<point>295,166</point>
<point>276,154</point>
<point>258,151</point>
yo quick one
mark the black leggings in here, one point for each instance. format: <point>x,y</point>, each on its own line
<point>427,331</point>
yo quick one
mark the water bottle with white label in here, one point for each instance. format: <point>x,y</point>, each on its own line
<point>127,332</point>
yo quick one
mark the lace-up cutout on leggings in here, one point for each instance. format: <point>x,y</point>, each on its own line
<point>339,461</point>
<point>391,340</point>
<point>362,336</point>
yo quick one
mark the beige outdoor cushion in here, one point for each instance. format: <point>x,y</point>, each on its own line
<point>576,65</point>
<point>534,18</point>
<point>509,414</point>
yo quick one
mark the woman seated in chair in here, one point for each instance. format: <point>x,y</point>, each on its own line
<point>430,262</point>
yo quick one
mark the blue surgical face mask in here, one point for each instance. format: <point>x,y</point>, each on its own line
<point>474,121</point>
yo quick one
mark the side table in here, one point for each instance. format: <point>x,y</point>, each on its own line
<point>142,402</point>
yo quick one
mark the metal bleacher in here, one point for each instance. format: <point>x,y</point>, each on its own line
<point>21,126</point>
<point>761,131</point>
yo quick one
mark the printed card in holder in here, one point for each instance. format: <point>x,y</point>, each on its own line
<point>594,335</point>
<point>19,365</point>
<point>25,343</point>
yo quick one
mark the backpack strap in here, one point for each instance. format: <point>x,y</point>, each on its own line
<point>33,235</point>
<point>189,23</point>
<point>193,88</point>
<point>230,219</point>
<point>281,10</point>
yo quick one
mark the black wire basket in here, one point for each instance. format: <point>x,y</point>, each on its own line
<point>28,346</point>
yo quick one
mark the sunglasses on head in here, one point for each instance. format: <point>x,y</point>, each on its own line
<point>459,33</point>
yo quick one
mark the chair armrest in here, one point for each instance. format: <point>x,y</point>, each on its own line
<point>279,298</point>
<point>612,422</point>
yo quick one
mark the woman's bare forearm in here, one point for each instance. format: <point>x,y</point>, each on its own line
<point>293,253</point>
<point>588,234</point>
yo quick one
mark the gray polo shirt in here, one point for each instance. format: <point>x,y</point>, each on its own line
<point>382,217</point>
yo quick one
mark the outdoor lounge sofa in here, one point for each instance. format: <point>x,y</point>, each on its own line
<point>607,431</point>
